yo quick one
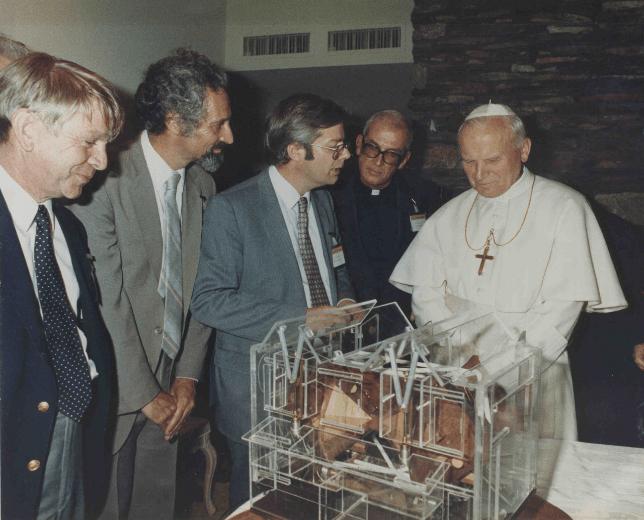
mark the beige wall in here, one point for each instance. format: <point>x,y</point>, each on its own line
<point>117,38</point>
<point>263,17</point>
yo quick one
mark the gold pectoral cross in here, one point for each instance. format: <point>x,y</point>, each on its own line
<point>484,257</point>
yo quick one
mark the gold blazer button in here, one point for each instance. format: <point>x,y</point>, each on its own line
<point>33,465</point>
<point>43,406</point>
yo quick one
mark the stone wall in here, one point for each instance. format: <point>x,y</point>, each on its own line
<point>572,69</point>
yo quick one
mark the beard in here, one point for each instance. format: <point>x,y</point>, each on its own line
<point>211,162</point>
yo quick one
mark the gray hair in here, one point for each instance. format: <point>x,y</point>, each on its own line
<point>177,85</point>
<point>12,49</point>
<point>395,119</point>
<point>55,89</point>
<point>514,124</point>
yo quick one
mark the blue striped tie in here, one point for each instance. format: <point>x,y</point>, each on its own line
<point>170,280</point>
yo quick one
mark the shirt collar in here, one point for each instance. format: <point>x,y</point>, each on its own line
<point>156,164</point>
<point>284,190</point>
<point>21,205</point>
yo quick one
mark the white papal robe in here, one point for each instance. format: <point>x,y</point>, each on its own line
<point>538,283</point>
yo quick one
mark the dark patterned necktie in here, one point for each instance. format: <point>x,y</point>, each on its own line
<point>311,268</point>
<point>65,349</point>
<point>170,281</point>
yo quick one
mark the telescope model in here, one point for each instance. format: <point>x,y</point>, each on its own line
<point>358,416</point>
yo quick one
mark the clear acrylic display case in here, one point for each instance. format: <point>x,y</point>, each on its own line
<point>356,415</point>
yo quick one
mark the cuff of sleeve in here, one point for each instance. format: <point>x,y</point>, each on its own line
<point>187,377</point>
<point>134,400</point>
<point>546,337</point>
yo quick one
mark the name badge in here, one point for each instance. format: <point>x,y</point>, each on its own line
<point>337,253</point>
<point>417,220</point>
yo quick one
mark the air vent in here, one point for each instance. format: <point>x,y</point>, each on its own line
<point>360,39</point>
<point>276,44</point>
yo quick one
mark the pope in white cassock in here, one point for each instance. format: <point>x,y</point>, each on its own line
<point>523,246</point>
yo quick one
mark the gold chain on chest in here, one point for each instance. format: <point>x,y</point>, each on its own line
<point>491,237</point>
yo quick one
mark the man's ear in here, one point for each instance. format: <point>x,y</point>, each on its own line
<point>404,161</point>
<point>296,152</point>
<point>359,141</point>
<point>174,124</point>
<point>25,127</point>
<point>525,150</point>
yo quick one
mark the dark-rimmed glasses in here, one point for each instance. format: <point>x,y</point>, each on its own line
<point>390,157</point>
<point>337,149</point>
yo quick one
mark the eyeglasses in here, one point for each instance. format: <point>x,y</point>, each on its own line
<point>390,157</point>
<point>337,149</point>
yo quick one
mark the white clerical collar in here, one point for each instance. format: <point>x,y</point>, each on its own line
<point>521,185</point>
<point>284,190</point>
<point>159,169</point>
<point>21,205</point>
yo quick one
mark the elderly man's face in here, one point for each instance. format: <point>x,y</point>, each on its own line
<point>206,142</point>
<point>491,160</point>
<point>66,158</point>
<point>382,136</point>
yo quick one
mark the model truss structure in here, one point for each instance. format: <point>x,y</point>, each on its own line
<point>359,416</point>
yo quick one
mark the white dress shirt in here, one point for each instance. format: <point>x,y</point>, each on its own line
<point>23,208</point>
<point>160,172</point>
<point>288,198</point>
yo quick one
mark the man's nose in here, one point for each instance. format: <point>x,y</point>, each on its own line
<point>227,134</point>
<point>98,159</point>
<point>380,159</point>
<point>478,171</point>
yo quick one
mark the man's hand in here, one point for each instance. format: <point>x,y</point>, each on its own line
<point>183,390</point>
<point>325,316</point>
<point>160,409</point>
<point>638,355</point>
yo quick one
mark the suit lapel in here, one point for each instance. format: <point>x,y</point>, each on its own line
<point>274,226</point>
<point>327,234</point>
<point>351,210</point>
<point>139,189</point>
<point>80,262</point>
<point>16,277</point>
<point>403,205</point>
<point>191,223</point>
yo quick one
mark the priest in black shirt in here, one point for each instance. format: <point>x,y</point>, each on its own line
<point>378,211</point>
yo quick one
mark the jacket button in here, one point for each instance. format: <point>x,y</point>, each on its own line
<point>43,406</point>
<point>33,465</point>
<point>158,330</point>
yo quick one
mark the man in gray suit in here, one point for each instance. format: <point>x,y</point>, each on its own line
<point>144,227</point>
<point>267,255</point>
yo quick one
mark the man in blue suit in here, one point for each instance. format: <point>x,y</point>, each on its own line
<point>270,251</point>
<point>56,118</point>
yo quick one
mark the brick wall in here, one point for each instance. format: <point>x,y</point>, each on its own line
<point>572,69</point>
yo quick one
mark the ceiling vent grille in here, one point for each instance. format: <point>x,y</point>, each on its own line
<point>361,39</point>
<point>295,43</point>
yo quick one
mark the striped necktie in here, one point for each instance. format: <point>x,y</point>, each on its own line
<point>311,269</point>
<point>170,279</point>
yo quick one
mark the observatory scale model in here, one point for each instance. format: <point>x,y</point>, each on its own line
<point>358,416</point>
